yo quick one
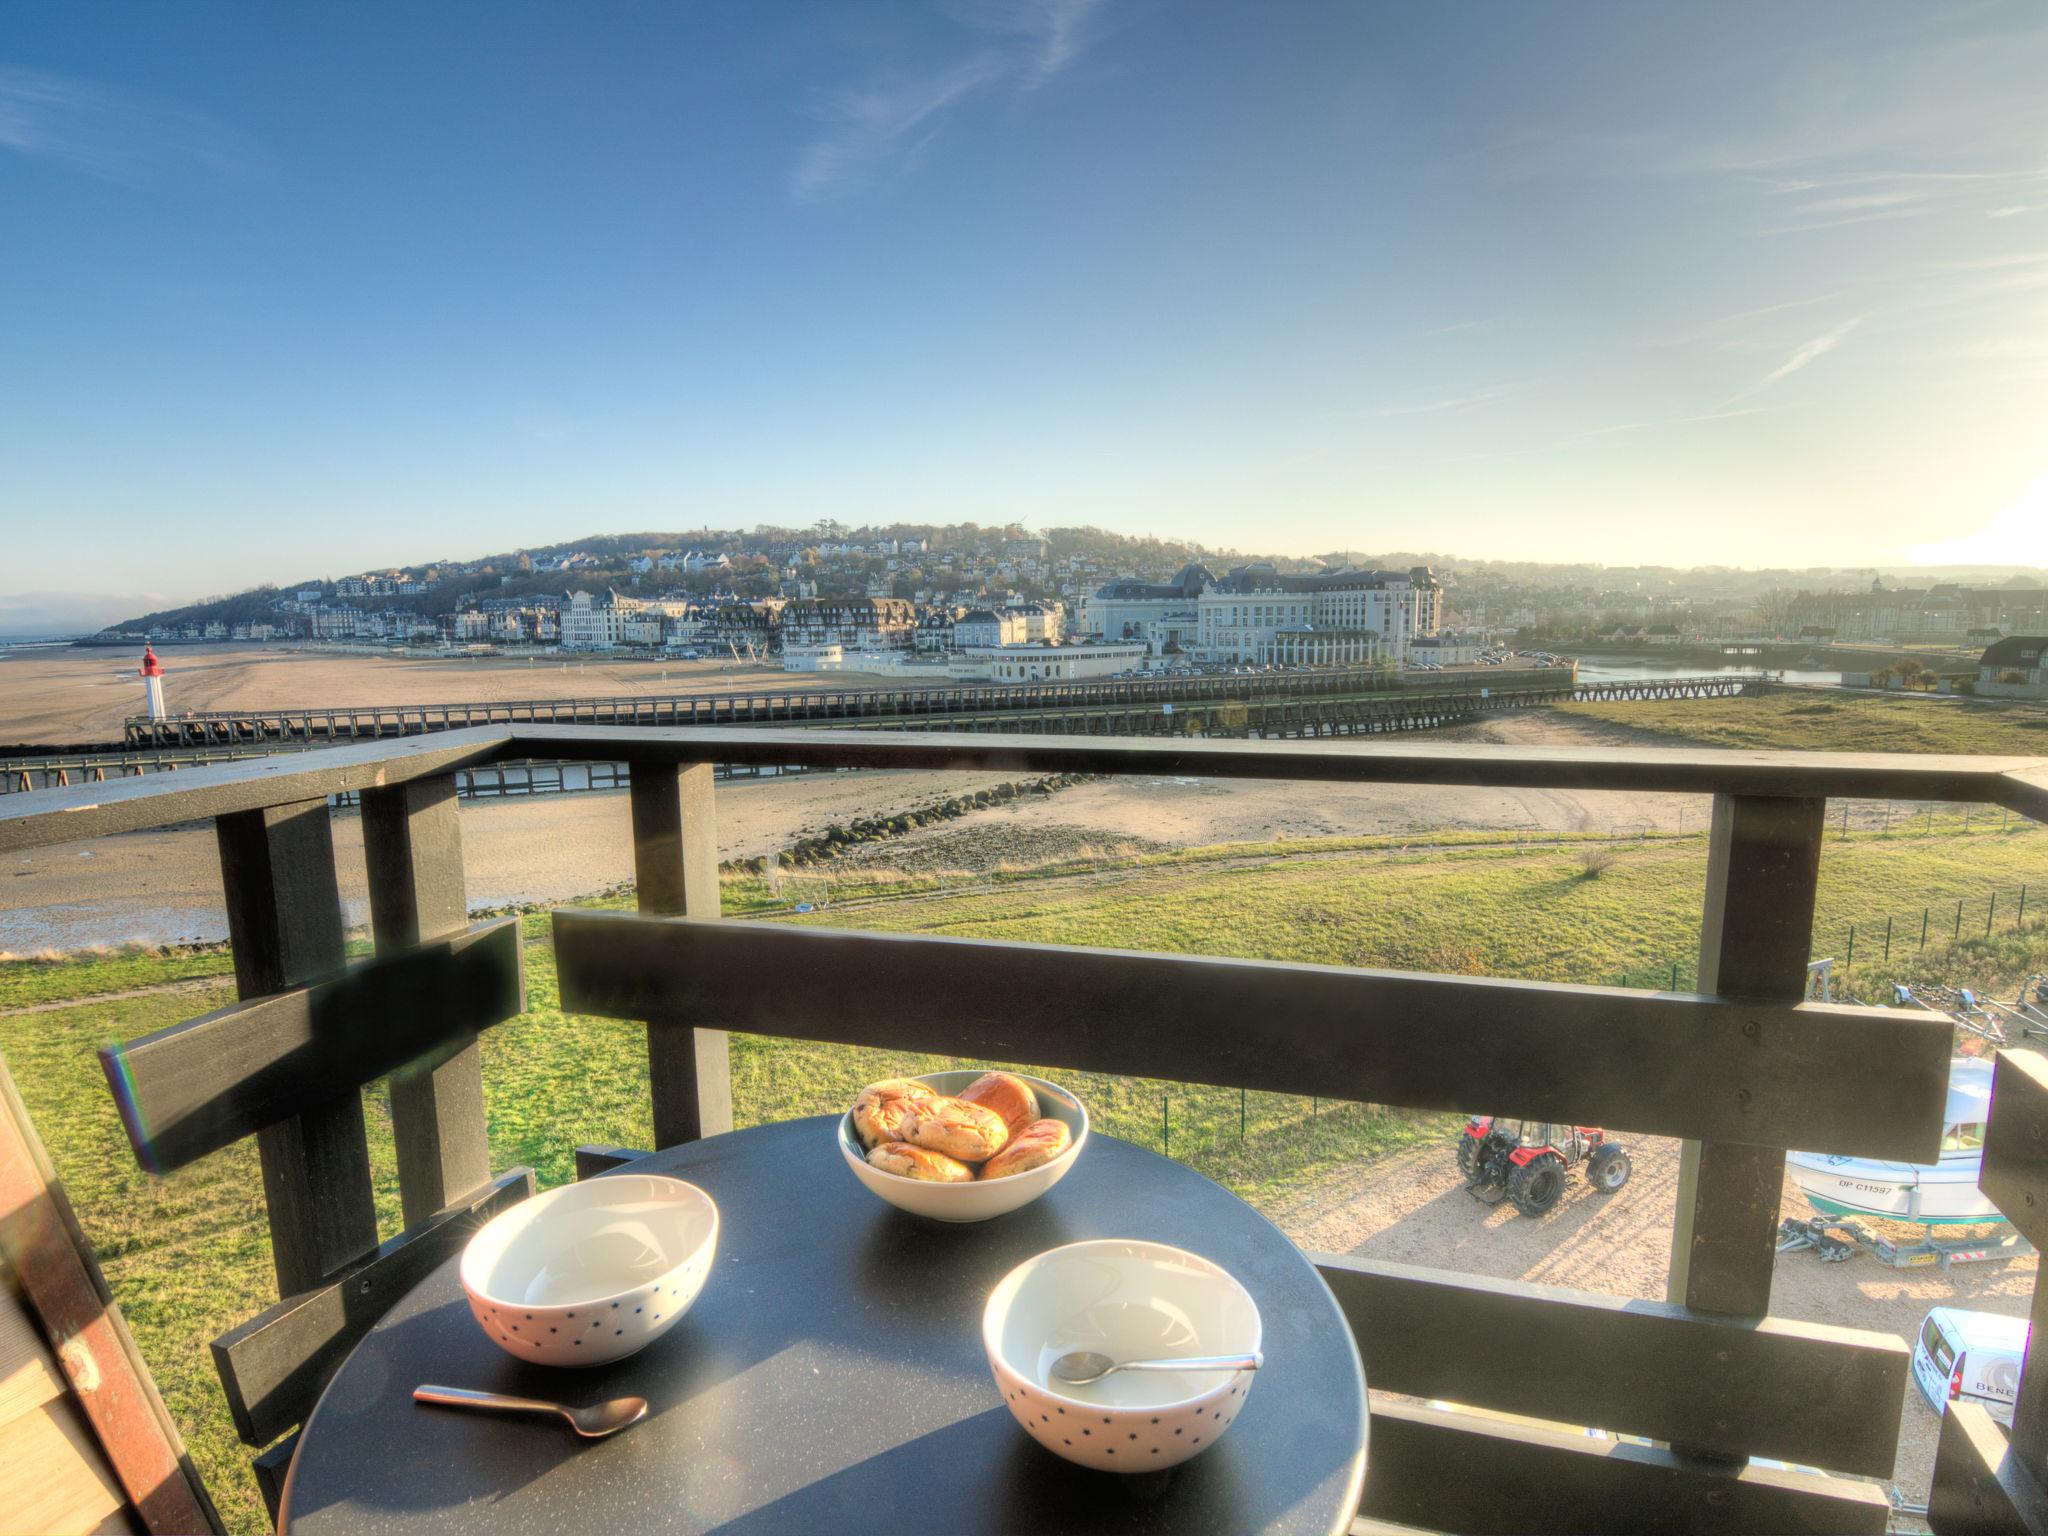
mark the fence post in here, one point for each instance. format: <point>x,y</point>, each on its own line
<point>1956,937</point>
<point>412,853</point>
<point>675,862</point>
<point>1850,958</point>
<point>1923,930</point>
<point>2023,910</point>
<point>1756,936</point>
<point>1887,940</point>
<point>1990,911</point>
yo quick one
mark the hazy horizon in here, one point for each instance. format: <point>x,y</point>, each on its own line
<point>299,291</point>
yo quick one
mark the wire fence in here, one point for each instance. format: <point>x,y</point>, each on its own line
<point>1885,939</point>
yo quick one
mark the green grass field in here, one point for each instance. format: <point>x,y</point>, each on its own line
<point>1819,722</point>
<point>188,1255</point>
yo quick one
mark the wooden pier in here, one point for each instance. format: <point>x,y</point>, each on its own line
<point>1287,704</point>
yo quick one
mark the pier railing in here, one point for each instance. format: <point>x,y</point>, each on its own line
<point>1713,1414</point>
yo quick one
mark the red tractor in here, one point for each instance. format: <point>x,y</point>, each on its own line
<point>1525,1161</point>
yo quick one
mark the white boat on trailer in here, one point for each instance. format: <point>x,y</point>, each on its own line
<point>1941,1194</point>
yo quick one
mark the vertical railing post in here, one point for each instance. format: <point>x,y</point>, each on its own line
<point>412,851</point>
<point>2012,1168</point>
<point>1756,932</point>
<point>675,864</point>
<point>284,922</point>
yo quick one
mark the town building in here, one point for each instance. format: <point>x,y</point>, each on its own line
<point>988,626</point>
<point>1356,616</point>
<point>743,628</point>
<point>603,620</point>
<point>1945,612</point>
<point>2015,668</point>
<point>859,623</point>
<point>1055,663</point>
<point>1444,650</point>
<point>1162,615</point>
<point>1037,623</point>
<point>936,628</point>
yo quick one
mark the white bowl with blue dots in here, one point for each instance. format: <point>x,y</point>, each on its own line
<point>1129,1300</point>
<point>589,1273</point>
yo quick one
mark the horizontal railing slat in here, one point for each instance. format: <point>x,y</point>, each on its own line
<point>1443,1470</point>
<point>274,1366</point>
<point>93,810</point>
<point>2026,791</point>
<point>1800,1392</point>
<point>1672,1064</point>
<point>1699,770</point>
<point>197,1086</point>
<point>161,800</point>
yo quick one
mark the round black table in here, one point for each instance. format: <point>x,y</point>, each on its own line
<point>831,1378</point>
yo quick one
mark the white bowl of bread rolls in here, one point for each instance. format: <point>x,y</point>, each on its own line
<point>962,1146</point>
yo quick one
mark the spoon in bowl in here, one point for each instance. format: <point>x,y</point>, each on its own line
<point>1081,1366</point>
<point>592,1423</point>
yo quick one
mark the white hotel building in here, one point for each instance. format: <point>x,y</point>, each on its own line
<point>1259,615</point>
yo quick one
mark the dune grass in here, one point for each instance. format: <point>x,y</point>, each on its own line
<point>1818,722</point>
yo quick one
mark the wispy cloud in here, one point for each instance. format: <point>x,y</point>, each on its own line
<point>1721,331</point>
<point>1672,421</point>
<point>114,135</point>
<point>1463,401</point>
<point>1456,327</point>
<point>879,128</point>
<point>1051,33</point>
<point>1806,353</point>
<point>876,126</point>
<point>1831,200</point>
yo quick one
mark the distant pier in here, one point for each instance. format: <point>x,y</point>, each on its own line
<point>1337,702</point>
<point>1279,706</point>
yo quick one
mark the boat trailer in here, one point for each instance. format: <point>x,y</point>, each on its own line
<point>1834,1239</point>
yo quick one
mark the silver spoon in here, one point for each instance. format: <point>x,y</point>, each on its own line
<point>1081,1366</point>
<point>592,1423</point>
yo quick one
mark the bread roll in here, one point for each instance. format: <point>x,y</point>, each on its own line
<point>1035,1146</point>
<point>880,1110</point>
<point>918,1163</point>
<point>969,1132</point>
<point>1011,1097</point>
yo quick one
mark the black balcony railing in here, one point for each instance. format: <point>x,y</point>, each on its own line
<point>1742,1069</point>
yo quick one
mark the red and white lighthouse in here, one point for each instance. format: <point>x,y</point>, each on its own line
<point>153,682</point>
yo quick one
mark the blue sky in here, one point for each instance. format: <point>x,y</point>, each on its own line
<point>292,290</point>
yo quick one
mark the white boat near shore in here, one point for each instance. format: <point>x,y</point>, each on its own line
<point>1926,1194</point>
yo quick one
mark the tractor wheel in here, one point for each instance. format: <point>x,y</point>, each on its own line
<point>1535,1186</point>
<point>1608,1168</point>
<point>1468,1156</point>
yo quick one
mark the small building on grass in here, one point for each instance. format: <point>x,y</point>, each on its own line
<point>2014,668</point>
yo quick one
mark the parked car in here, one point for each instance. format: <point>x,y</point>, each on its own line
<point>1970,1357</point>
